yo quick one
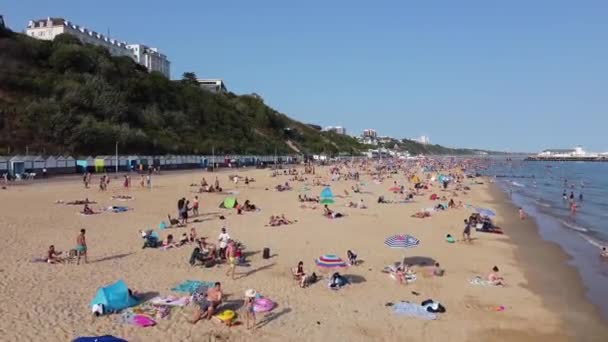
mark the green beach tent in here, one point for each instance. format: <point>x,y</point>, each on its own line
<point>228,203</point>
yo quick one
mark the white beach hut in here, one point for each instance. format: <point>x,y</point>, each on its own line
<point>3,165</point>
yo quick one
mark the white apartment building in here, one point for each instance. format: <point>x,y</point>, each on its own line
<point>151,58</point>
<point>336,129</point>
<point>423,139</point>
<point>370,133</point>
<point>49,28</point>
<point>215,85</point>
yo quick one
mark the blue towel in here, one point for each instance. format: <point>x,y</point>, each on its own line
<point>413,310</point>
<point>190,286</point>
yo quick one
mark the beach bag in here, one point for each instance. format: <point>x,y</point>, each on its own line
<point>433,306</point>
<point>266,253</point>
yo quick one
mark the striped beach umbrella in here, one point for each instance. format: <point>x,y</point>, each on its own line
<point>401,241</point>
<point>330,261</point>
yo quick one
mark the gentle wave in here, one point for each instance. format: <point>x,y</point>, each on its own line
<point>518,184</point>
<point>543,204</point>
<point>591,241</point>
<point>574,226</point>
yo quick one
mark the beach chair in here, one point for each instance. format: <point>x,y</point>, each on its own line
<point>71,257</point>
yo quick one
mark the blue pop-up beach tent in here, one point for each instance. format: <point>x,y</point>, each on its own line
<point>114,297</point>
<point>105,338</point>
<point>326,196</point>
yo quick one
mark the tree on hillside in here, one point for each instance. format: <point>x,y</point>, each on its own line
<point>189,78</point>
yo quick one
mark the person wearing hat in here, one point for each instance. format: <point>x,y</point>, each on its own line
<point>249,306</point>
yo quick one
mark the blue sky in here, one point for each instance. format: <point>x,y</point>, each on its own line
<point>509,75</point>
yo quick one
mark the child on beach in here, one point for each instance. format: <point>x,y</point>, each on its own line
<point>195,206</point>
<point>466,233</point>
<point>192,234</point>
<point>522,214</point>
<point>249,306</point>
<point>495,277</point>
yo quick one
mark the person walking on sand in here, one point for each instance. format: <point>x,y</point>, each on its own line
<point>231,258</point>
<point>223,240</point>
<point>466,233</point>
<point>195,206</point>
<point>81,247</point>
<point>249,306</point>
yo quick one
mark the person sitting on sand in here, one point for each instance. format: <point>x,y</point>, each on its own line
<point>298,272</point>
<point>204,183</point>
<point>330,213</point>
<point>53,256</point>
<point>338,281</point>
<point>206,248</point>
<point>208,306</point>
<point>192,236</point>
<point>352,257</point>
<point>452,204</point>
<point>248,206</point>
<point>361,205</point>
<point>184,240</point>
<point>399,275</point>
<point>604,253</point>
<point>381,200</point>
<point>495,278</point>
<point>168,243</point>
<point>273,221</point>
<point>356,189</point>
<point>87,210</point>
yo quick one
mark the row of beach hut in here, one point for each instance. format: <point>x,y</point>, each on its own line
<point>66,164</point>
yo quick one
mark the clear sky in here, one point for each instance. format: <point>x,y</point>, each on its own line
<point>508,75</point>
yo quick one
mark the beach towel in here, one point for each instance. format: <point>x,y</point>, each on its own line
<point>480,281</point>
<point>190,286</point>
<point>118,209</point>
<point>170,300</point>
<point>413,310</point>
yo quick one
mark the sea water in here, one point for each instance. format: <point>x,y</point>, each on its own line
<point>538,188</point>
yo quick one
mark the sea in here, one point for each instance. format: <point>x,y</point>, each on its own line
<point>539,188</point>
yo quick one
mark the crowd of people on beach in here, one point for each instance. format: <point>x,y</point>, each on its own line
<point>435,180</point>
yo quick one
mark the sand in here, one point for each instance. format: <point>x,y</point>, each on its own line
<point>543,299</point>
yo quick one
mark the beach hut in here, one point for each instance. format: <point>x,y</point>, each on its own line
<point>50,163</point>
<point>85,164</point>
<point>16,165</point>
<point>133,163</point>
<point>3,165</point>
<point>38,164</point>
<point>99,164</point>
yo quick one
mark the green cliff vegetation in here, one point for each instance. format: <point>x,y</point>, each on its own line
<point>67,97</point>
<point>63,96</point>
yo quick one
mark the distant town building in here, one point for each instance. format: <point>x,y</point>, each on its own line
<point>336,129</point>
<point>49,28</point>
<point>423,139</point>
<point>151,58</point>
<point>213,85</point>
<point>317,127</point>
<point>370,133</point>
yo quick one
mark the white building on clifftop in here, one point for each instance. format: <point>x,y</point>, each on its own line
<point>49,28</point>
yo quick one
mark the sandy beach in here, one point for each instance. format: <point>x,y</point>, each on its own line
<point>543,299</point>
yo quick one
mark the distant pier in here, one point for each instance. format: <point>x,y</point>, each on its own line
<point>568,159</point>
